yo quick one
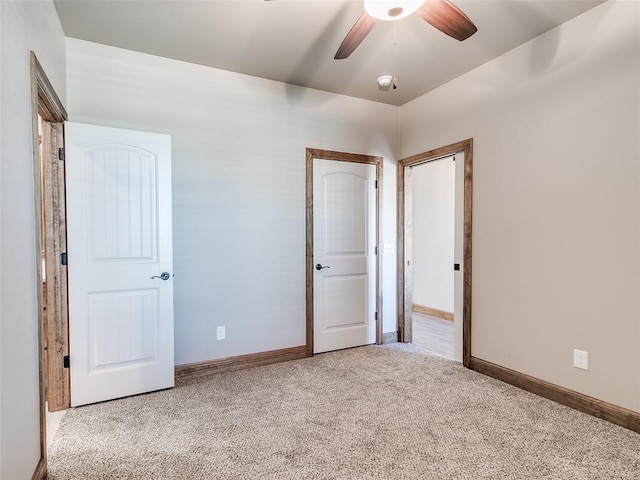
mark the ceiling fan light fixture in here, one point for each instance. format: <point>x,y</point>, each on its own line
<point>391,9</point>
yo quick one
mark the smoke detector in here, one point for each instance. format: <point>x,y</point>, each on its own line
<point>384,82</point>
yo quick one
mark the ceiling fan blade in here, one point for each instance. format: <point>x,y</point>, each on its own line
<point>355,36</point>
<point>447,18</point>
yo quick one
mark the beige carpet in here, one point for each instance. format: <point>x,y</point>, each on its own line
<point>387,413</point>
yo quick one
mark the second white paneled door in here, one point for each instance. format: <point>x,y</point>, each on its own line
<point>344,240</point>
<point>120,262</point>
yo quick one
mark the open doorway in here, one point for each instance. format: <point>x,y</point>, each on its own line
<point>54,278</point>
<point>461,264</point>
<point>433,230</point>
<point>48,116</point>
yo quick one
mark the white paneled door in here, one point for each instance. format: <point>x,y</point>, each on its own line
<point>120,262</point>
<point>344,242</point>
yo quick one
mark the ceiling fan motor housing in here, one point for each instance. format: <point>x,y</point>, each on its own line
<point>391,9</point>
<point>441,14</point>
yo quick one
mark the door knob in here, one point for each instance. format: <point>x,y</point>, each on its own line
<point>163,276</point>
<point>320,267</point>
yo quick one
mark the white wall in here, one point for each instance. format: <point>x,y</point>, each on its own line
<point>25,26</point>
<point>433,233</point>
<point>238,146</point>
<point>556,205</point>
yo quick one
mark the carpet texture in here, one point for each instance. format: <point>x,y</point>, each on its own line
<point>378,412</point>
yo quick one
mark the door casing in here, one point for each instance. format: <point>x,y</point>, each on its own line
<point>404,293</point>
<point>341,157</point>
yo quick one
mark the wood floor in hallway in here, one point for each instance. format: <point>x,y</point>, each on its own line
<point>434,334</point>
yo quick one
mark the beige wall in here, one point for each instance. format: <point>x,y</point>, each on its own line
<point>556,206</point>
<point>26,26</point>
<point>238,146</point>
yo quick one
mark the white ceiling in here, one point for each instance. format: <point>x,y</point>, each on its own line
<point>294,41</point>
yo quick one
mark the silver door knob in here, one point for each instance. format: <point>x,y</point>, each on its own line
<point>163,276</point>
<point>321,267</point>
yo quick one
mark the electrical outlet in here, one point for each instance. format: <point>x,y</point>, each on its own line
<point>581,359</point>
<point>221,333</point>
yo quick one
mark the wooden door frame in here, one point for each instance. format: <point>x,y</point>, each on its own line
<point>55,289</point>
<point>404,243</point>
<point>340,157</point>
<point>46,103</point>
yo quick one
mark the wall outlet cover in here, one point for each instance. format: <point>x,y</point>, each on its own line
<point>581,359</point>
<point>221,333</point>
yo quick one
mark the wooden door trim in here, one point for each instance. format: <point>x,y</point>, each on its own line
<point>55,288</point>
<point>46,103</point>
<point>312,153</point>
<point>405,307</point>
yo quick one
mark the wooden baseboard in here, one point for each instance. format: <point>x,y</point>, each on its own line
<point>432,312</point>
<point>240,362</point>
<point>579,401</point>
<point>390,337</point>
<point>41,471</point>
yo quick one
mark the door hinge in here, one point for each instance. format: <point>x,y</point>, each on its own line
<point>456,266</point>
<point>376,183</point>
<point>65,361</point>
<point>376,249</point>
<point>376,316</point>
<point>61,153</point>
<point>63,258</point>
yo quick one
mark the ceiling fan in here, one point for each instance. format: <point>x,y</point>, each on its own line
<point>441,14</point>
